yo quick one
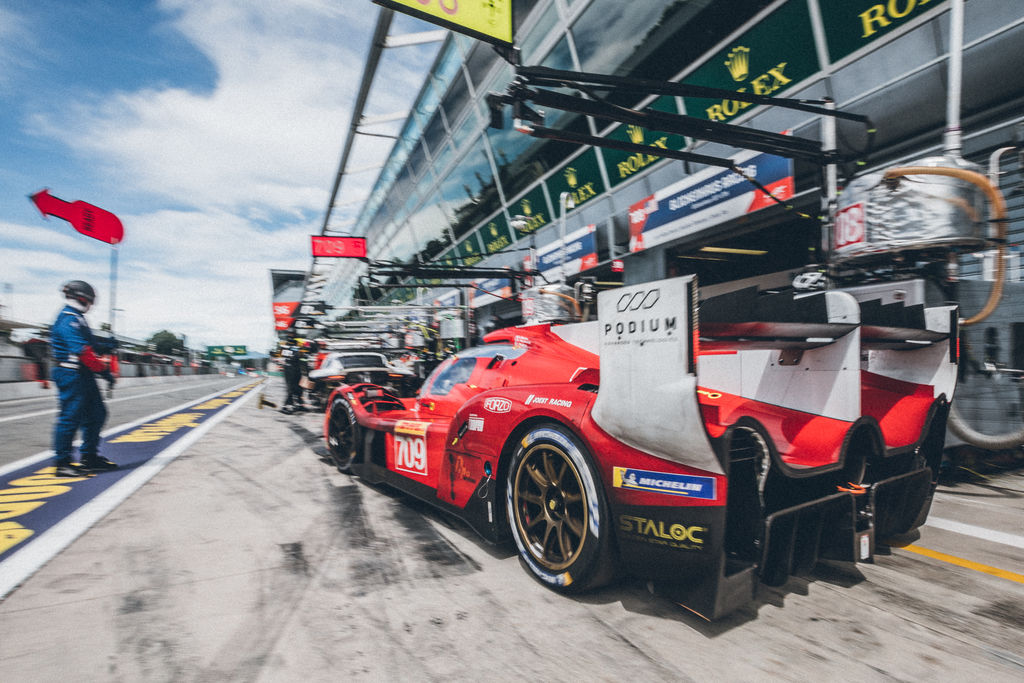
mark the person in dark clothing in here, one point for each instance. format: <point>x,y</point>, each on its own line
<point>76,367</point>
<point>38,350</point>
<point>294,361</point>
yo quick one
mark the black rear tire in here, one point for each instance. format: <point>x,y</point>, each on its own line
<point>343,434</point>
<point>557,511</point>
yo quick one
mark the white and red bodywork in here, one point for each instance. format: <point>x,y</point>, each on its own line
<point>711,440</point>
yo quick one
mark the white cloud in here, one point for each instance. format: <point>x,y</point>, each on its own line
<point>205,275</point>
<point>268,135</point>
<point>13,36</point>
<point>246,166</point>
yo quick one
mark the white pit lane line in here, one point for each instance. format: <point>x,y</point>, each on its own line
<point>976,531</point>
<point>19,567</point>
<point>52,411</point>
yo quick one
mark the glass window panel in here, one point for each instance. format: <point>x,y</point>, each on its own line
<point>402,246</point>
<point>465,43</point>
<point>522,159</point>
<point>434,135</point>
<point>403,185</point>
<point>442,156</point>
<point>668,43</point>
<point>380,240</point>
<point>560,57</point>
<point>480,62</point>
<point>611,30</point>
<point>520,10</point>
<point>410,204</point>
<point>498,82</point>
<point>399,201</point>
<point>455,101</point>
<point>469,190</point>
<point>431,227</point>
<point>528,43</point>
<point>467,131</point>
<point>417,160</point>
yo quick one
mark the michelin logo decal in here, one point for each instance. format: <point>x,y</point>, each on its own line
<point>664,482</point>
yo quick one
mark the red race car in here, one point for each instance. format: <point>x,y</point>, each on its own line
<point>705,455</point>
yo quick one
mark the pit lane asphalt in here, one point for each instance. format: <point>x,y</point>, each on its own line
<point>26,424</point>
<point>250,558</point>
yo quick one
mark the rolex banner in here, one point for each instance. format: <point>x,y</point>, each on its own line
<point>708,198</point>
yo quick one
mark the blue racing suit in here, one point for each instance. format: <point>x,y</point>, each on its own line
<point>75,368</point>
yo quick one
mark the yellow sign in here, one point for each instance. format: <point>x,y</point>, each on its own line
<point>489,20</point>
<point>411,427</point>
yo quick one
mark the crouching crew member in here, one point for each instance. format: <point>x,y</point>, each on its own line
<point>76,366</point>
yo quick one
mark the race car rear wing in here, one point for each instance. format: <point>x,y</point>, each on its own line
<point>749,320</point>
<point>647,399</point>
<point>801,351</point>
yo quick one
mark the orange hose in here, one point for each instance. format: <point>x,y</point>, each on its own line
<point>575,304</point>
<point>998,209</point>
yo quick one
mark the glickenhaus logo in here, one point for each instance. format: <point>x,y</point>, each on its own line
<point>638,301</point>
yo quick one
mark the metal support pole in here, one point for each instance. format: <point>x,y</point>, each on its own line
<point>830,200</point>
<point>113,303</point>
<point>953,136</point>
<point>113,285</point>
<point>565,201</point>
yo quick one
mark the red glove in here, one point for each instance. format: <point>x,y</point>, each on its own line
<point>91,361</point>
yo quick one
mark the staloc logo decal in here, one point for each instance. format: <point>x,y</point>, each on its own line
<point>663,533</point>
<point>686,485</point>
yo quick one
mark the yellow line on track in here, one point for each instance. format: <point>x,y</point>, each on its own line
<point>960,562</point>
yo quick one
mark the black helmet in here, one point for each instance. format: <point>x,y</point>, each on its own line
<point>80,291</point>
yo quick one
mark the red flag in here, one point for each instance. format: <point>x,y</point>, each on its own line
<point>87,219</point>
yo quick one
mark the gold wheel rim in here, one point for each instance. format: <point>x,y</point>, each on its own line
<point>550,504</point>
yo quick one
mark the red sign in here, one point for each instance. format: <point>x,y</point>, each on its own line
<point>87,219</point>
<point>849,227</point>
<point>284,314</point>
<point>339,247</point>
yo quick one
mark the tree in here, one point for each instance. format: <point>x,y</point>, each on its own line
<point>166,342</point>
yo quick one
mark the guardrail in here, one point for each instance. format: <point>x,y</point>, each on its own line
<point>21,369</point>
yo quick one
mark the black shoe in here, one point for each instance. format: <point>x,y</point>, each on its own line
<point>98,464</point>
<point>69,470</point>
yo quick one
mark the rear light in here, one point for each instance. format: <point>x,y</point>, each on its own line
<point>694,327</point>
<point>954,334</point>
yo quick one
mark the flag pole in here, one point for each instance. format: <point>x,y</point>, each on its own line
<point>113,306</point>
<point>113,285</point>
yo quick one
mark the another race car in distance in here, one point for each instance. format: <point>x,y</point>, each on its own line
<point>706,446</point>
<point>354,367</point>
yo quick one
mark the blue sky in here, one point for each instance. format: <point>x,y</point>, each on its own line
<point>212,129</point>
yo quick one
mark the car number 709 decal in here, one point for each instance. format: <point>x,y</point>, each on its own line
<point>410,453</point>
